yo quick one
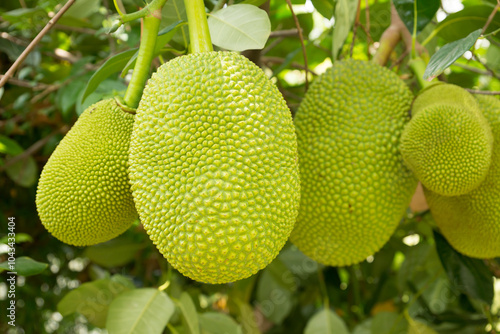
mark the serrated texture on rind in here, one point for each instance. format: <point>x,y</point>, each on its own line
<point>84,196</point>
<point>213,165</point>
<point>471,222</point>
<point>354,185</point>
<point>448,142</point>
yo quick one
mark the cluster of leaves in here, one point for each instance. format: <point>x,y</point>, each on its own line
<point>416,284</point>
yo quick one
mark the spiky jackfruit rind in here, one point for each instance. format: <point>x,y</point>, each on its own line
<point>448,142</point>
<point>471,222</point>
<point>213,165</point>
<point>84,196</point>
<point>354,185</point>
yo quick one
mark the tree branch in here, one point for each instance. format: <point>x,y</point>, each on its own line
<point>34,42</point>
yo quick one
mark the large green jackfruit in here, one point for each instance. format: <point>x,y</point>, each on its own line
<point>448,142</point>
<point>213,165</point>
<point>84,195</point>
<point>354,185</point>
<point>471,222</point>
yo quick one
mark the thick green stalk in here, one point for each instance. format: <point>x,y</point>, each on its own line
<point>151,25</point>
<point>418,66</point>
<point>199,34</point>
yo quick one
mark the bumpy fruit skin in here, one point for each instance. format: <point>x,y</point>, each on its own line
<point>354,185</point>
<point>84,196</point>
<point>471,222</point>
<point>448,142</point>
<point>213,165</point>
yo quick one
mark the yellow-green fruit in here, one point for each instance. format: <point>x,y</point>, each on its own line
<point>448,142</point>
<point>471,222</point>
<point>213,165</point>
<point>354,185</point>
<point>84,195</point>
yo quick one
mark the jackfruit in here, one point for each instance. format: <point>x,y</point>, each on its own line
<point>213,166</point>
<point>354,185</point>
<point>448,142</point>
<point>471,222</point>
<point>84,196</point>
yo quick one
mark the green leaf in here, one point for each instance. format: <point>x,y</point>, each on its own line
<point>92,299</point>
<point>239,27</point>
<point>9,146</point>
<point>20,238</point>
<point>464,22</point>
<point>24,266</point>
<point>448,54</point>
<point>345,12</point>
<point>326,322</point>
<point>139,311</point>
<point>174,11</point>
<point>253,2</point>
<point>82,9</point>
<point>388,323</point>
<point>22,13</point>
<point>189,314</point>
<point>417,327</point>
<point>112,65</point>
<point>218,323</point>
<point>67,96</point>
<point>426,9</point>
<point>324,7</point>
<point>113,253</point>
<point>273,297</point>
<point>470,276</point>
<point>23,172</point>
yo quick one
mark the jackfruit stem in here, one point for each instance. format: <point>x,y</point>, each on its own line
<point>199,35</point>
<point>150,28</point>
<point>418,66</point>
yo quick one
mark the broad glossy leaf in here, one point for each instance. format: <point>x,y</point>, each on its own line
<point>448,54</point>
<point>218,323</point>
<point>345,12</point>
<point>464,22</point>
<point>273,297</point>
<point>468,275</point>
<point>113,253</point>
<point>239,27</point>
<point>9,146</point>
<point>426,9</point>
<point>92,299</point>
<point>140,311</point>
<point>20,238</point>
<point>24,266</point>
<point>389,323</point>
<point>175,11</point>
<point>23,172</point>
<point>189,314</point>
<point>417,327</point>
<point>324,7</point>
<point>326,322</point>
<point>112,65</point>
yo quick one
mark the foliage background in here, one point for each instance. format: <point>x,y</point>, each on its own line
<point>415,284</point>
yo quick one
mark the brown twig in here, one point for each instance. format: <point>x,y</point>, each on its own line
<point>26,84</point>
<point>34,42</point>
<point>472,69</point>
<point>284,33</point>
<point>486,67</point>
<point>483,92</point>
<point>13,39</point>
<point>392,35</point>
<point>35,147</point>
<point>299,29</point>
<point>278,60</point>
<point>490,18</point>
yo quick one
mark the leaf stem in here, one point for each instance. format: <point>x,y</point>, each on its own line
<point>418,66</point>
<point>149,10</point>
<point>151,25</point>
<point>199,34</point>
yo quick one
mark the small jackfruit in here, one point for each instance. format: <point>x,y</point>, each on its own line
<point>84,196</point>
<point>213,166</point>
<point>354,185</point>
<point>448,142</point>
<point>471,222</point>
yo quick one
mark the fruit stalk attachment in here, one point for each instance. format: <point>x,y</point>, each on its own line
<point>199,34</point>
<point>151,25</point>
